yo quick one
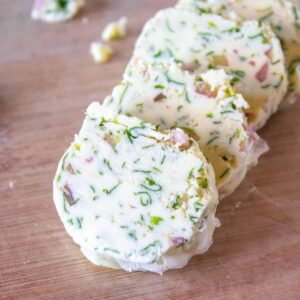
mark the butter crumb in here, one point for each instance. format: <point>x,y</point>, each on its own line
<point>115,30</point>
<point>100,52</point>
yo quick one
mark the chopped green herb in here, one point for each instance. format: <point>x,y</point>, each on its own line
<point>238,73</point>
<point>62,4</point>
<point>130,132</point>
<point>256,36</point>
<point>136,161</point>
<point>276,62</point>
<point>176,203</point>
<point>58,177</point>
<point>108,192</point>
<point>212,139</point>
<point>179,107</point>
<point>149,146</point>
<point>169,79</point>
<point>204,183</point>
<point>198,205</point>
<point>169,26</point>
<point>107,163</point>
<point>293,65</point>
<point>141,171</point>
<point>111,250</point>
<point>187,98</point>
<point>79,222</point>
<point>233,29</point>
<point>151,185</point>
<point>63,161</point>
<point>146,250</point>
<point>224,173</point>
<point>212,24</point>
<point>202,10</point>
<point>194,219</point>
<point>157,169</point>
<point>277,85</point>
<point>155,220</point>
<point>267,16</point>
<point>123,93</point>
<point>205,33</point>
<point>158,53</point>
<point>145,198</point>
<point>235,135</point>
<point>191,175</point>
<point>159,86</point>
<point>227,112</point>
<point>132,233</point>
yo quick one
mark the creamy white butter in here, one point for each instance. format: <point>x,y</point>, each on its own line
<point>205,106</point>
<point>52,11</point>
<point>101,52</point>
<point>282,15</point>
<point>134,197</point>
<point>115,30</point>
<point>249,51</point>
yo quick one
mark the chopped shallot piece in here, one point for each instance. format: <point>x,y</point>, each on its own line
<point>258,144</point>
<point>68,194</point>
<point>178,241</point>
<point>179,137</point>
<point>269,53</point>
<point>159,97</point>
<point>89,159</point>
<point>220,60</point>
<point>70,169</point>
<point>188,67</point>
<point>261,75</point>
<point>110,140</point>
<point>252,63</point>
<point>204,89</point>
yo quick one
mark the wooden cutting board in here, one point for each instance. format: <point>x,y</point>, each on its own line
<point>47,79</point>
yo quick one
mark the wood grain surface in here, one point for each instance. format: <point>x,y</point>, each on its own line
<point>47,79</point>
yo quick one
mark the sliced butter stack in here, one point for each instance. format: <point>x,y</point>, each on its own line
<point>205,106</point>
<point>282,15</point>
<point>135,198</point>
<point>249,51</point>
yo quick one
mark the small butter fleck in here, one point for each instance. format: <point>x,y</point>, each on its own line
<point>100,52</point>
<point>115,30</point>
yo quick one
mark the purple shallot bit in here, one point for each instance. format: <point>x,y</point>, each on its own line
<point>68,194</point>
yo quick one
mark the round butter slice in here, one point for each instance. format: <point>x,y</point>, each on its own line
<point>133,197</point>
<point>52,11</point>
<point>284,18</point>
<point>204,105</point>
<point>249,51</point>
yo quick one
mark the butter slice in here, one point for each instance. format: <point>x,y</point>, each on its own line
<point>249,51</point>
<point>52,11</point>
<point>133,197</point>
<point>204,105</point>
<point>284,18</point>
